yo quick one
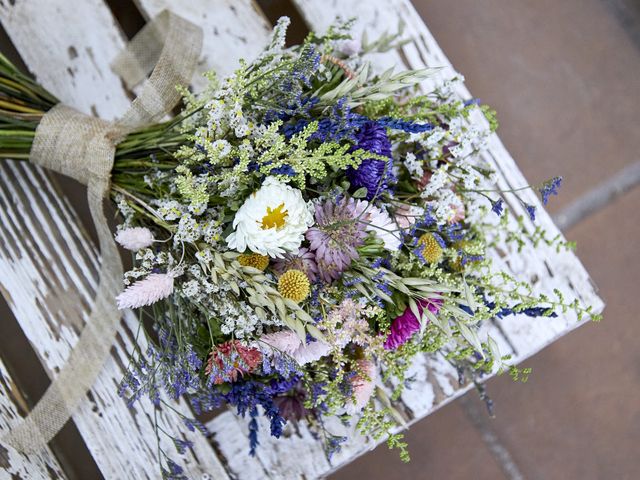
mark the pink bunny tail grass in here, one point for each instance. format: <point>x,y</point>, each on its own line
<point>135,238</point>
<point>363,385</point>
<point>147,291</point>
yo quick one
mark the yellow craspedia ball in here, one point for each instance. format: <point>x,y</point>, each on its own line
<point>294,285</point>
<point>254,260</point>
<point>431,249</point>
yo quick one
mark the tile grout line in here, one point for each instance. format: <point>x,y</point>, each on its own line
<point>491,440</point>
<point>598,197</point>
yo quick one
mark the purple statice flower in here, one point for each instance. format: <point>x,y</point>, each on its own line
<point>304,260</point>
<point>404,326</point>
<point>531,210</point>
<point>497,206</point>
<point>248,394</point>
<point>550,187</point>
<point>175,471</point>
<point>466,258</point>
<point>404,125</point>
<point>334,444</point>
<point>182,445</point>
<point>284,170</point>
<point>373,174</point>
<point>253,431</point>
<point>336,236</point>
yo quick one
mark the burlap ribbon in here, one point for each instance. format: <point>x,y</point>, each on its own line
<point>83,148</point>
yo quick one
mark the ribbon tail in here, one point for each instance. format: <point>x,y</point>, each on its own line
<point>83,147</point>
<point>66,391</point>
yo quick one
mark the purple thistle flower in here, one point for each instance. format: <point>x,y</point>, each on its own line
<point>375,175</point>
<point>404,326</point>
<point>304,260</point>
<point>336,236</point>
<point>291,406</point>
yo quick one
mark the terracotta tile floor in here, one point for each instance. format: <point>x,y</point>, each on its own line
<point>564,78</point>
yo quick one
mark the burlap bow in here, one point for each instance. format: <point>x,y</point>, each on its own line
<point>83,148</point>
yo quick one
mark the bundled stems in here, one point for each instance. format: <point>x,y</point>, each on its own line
<point>23,103</point>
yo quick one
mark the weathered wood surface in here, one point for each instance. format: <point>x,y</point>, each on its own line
<point>232,30</point>
<point>50,264</point>
<point>13,464</point>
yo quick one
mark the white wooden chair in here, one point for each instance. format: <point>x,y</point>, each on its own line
<point>48,262</point>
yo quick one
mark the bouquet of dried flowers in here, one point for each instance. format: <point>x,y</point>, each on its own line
<point>300,232</point>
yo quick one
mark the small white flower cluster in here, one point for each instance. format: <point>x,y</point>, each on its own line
<point>125,210</point>
<point>189,230</point>
<point>439,181</point>
<point>146,261</point>
<point>234,317</point>
<point>225,114</point>
<point>414,166</point>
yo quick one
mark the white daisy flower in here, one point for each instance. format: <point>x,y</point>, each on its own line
<point>272,221</point>
<point>379,222</point>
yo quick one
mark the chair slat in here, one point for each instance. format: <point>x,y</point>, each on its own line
<point>233,29</point>
<point>39,466</point>
<point>48,262</point>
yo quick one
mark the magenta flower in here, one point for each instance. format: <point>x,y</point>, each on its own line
<point>336,236</point>
<point>404,326</point>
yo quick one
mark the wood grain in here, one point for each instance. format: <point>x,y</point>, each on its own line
<point>13,464</point>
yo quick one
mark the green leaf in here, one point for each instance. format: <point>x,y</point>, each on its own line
<point>471,337</point>
<point>469,296</point>
<point>495,352</point>
<point>413,306</point>
<point>360,193</point>
<point>304,316</point>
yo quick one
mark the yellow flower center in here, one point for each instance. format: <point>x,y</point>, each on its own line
<point>431,249</point>
<point>254,260</point>
<point>294,285</point>
<point>275,217</point>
